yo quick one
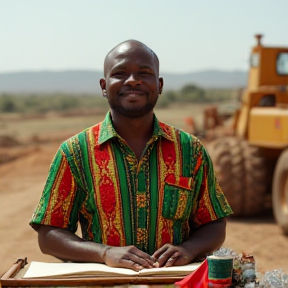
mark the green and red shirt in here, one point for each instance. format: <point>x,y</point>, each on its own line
<point>95,179</point>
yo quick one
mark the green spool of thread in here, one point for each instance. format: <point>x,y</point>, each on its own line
<point>220,269</point>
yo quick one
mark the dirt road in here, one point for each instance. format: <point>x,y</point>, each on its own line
<point>21,184</point>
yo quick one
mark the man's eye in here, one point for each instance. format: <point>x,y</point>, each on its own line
<point>146,72</point>
<point>118,74</point>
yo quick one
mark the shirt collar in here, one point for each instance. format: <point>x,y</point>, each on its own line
<point>107,130</point>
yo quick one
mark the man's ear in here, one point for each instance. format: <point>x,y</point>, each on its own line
<point>103,87</point>
<point>161,83</point>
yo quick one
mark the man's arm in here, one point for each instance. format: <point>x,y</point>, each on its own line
<point>67,246</point>
<point>206,239</point>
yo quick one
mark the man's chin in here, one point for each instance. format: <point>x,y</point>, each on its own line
<point>133,113</point>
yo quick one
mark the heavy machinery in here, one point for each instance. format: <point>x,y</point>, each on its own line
<point>254,160</point>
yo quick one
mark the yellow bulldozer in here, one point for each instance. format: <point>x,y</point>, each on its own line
<point>254,160</point>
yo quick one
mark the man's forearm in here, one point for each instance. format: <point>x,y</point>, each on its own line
<point>67,246</point>
<point>206,239</point>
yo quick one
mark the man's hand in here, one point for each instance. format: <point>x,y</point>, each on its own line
<point>128,257</point>
<point>202,242</point>
<point>169,255</point>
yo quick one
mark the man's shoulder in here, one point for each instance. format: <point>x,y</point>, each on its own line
<point>81,137</point>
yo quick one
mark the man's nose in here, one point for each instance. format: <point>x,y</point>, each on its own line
<point>133,80</point>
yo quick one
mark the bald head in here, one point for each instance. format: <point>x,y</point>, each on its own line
<point>128,46</point>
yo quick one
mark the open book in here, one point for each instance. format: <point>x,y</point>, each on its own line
<point>70,270</point>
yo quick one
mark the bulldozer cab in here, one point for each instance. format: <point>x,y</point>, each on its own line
<point>267,87</point>
<point>268,66</point>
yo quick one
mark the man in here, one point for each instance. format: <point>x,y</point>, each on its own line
<point>144,192</point>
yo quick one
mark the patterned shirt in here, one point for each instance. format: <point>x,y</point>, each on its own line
<point>96,179</point>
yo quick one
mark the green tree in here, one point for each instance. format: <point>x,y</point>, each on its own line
<point>7,103</point>
<point>192,93</point>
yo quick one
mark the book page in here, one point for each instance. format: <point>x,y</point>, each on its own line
<point>172,271</point>
<point>41,269</point>
<point>58,270</point>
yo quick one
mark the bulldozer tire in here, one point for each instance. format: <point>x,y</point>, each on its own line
<point>242,174</point>
<point>280,192</point>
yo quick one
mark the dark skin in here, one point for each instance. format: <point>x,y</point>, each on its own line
<point>132,86</point>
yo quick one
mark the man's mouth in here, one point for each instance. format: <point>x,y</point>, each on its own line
<point>132,93</point>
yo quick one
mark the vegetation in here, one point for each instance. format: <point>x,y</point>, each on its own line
<point>35,104</point>
<point>28,104</point>
<point>194,94</point>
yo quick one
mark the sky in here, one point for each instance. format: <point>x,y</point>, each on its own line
<point>187,35</point>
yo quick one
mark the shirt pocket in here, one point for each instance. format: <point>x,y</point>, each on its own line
<point>177,200</point>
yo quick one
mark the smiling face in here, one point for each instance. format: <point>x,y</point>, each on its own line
<point>132,82</point>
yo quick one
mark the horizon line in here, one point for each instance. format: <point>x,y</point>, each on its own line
<point>101,71</point>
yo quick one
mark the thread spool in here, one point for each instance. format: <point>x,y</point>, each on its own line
<point>220,271</point>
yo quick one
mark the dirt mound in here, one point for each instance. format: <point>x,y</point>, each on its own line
<point>8,141</point>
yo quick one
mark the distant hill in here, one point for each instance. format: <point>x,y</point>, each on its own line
<point>82,81</point>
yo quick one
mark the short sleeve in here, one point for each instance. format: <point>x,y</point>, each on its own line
<point>211,203</point>
<point>57,204</point>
